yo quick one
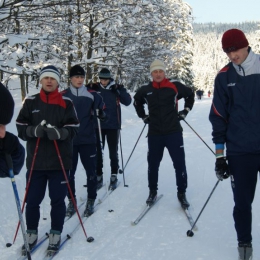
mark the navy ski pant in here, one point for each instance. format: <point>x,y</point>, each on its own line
<point>87,153</point>
<point>36,192</point>
<point>112,137</point>
<point>244,170</point>
<point>174,144</point>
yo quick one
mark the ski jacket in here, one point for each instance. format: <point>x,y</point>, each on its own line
<point>17,159</point>
<point>57,111</point>
<point>235,110</point>
<point>86,101</point>
<point>161,99</point>
<point>112,100</point>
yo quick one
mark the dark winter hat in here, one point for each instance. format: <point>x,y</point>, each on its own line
<point>50,71</point>
<point>104,74</point>
<point>233,40</point>
<point>77,71</point>
<point>6,105</point>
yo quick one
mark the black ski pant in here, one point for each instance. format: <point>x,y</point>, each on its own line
<point>112,137</point>
<point>87,153</point>
<point>244,170</point>
<point>36,192</point>
<point>174,143</point>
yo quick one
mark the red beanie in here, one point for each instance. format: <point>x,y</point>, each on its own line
<point>233,40</point>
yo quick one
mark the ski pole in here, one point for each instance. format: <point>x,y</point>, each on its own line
<point>122,160</point>
<point>102,153</point>
<point>68,185</point>
<point>133,150</point>
<point>190,232</point>
<point>17,200</point>
<point>198,136</point>
<point>28,183</point>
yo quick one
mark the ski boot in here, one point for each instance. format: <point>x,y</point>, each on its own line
<point>70,208</point>
<point>89,210</point>
<point>54,242</point>
<point>245,251</point>
<point>152,197</point>
<point>31,237</point>
<point>113,182</point>
<point>183,200</point>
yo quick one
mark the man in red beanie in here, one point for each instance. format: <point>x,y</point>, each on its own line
<point>235,119</point>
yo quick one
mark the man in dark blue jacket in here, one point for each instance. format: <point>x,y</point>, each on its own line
<point>235,119</point>
<point>9,143</point>
<point>86,103</point>
<point>113,94</point>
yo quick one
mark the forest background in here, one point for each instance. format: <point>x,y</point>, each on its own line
<point>125,36</point>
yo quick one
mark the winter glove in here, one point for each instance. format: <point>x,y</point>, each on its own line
<point>9,143</point>
<point>116,89</point>
<point>221,168</point>
<point>183,113</point>
<point>36,131</point>
<point>101,115</point>
<point>146,119</point>
<point>55,133</point>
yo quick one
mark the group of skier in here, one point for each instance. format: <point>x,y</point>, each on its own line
<point>59,127</point>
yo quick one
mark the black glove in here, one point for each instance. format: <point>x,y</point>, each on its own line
<point>182,114</point>
<point>9,143</point>
<point>36,131</point>
<point>146,119</point>
<point>55,133</point>
<point>116,89</point>
<point>101,115</point>
<point>221,168</point>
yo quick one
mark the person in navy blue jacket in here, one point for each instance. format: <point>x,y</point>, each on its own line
<point>235,119</point>
<point>113,95</point>
<point>9,143</point>
<point>86,102</point>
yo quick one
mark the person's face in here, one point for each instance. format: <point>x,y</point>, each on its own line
<point>239,56</point>
<point>104,82</point>
<point>77,81</point>
<point>158,75</point>
<point>49,84</point>
<point>2,131</point>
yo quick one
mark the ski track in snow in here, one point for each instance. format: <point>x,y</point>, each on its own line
<point>161,234</point>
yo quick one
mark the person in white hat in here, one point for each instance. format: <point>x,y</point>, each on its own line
<point>161,96</point>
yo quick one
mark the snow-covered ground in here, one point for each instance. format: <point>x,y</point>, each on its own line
<point>161,235</point>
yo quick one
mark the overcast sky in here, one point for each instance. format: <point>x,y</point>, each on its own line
<point>231,11</point>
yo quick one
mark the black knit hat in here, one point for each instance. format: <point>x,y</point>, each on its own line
<point>104,74</point>
<point>77,71</point>
<point>6,105</point>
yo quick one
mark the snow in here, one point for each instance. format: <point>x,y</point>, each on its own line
<point>161,234</point>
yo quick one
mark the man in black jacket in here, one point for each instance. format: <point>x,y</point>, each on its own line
<point>44,118</point>
<point>161,97</point>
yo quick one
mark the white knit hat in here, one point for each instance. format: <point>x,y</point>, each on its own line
<point>50,71</point>
<point>157,65</point>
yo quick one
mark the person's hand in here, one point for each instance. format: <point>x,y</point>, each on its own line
<point>182,114</point>
<point>101,115</point>
<point>221,168</point>
<point>9,143</point>
<point>116,89</point>
<point>146,119</point>
<point>55,133</point>
<point>36,131</point>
